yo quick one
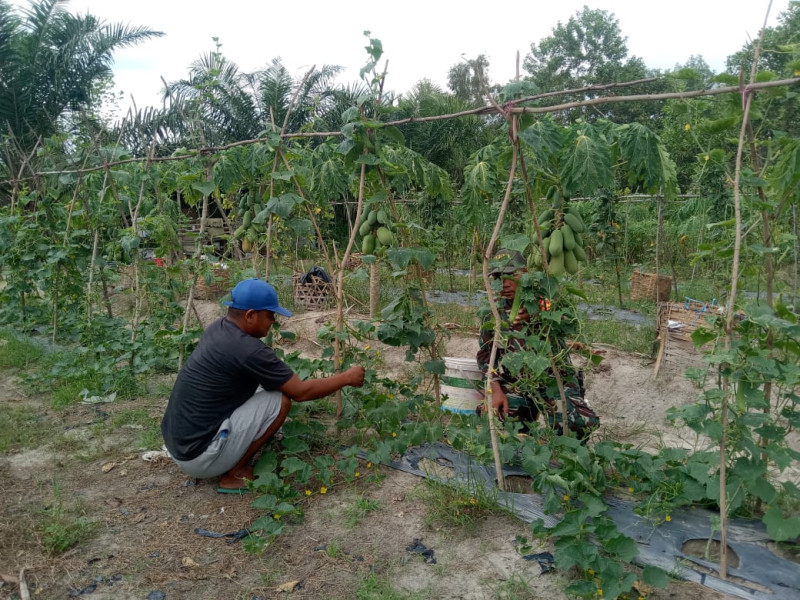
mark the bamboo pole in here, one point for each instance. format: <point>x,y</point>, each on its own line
<point>489,252</point>
<point>195,258</point>
<point>747,99</point>
<point>337,352</point>
<point>206,150</point>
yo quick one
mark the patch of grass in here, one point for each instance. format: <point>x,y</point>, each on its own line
<point>376,587</point>
<point>61,529</point>
<point>150,434</point>
<point>357,511</point>
<point>512,588</point>
<point>17,353</point>
<point>20,428</point>
<point>454,506</point>
<point>621,335</point>
<point>60,532</point>
<point>67,390</point>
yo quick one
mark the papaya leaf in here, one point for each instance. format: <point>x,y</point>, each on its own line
<point>586,164</point>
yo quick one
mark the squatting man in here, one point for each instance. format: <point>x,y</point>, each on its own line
<point>233,394</point>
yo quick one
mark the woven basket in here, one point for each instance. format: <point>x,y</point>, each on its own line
<point>220,285</point>
<point>650,286</point>
<point>314,295</point>
<point>676,323</point>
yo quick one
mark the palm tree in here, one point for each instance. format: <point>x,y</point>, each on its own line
<point>227,105</point>
<point>51,63</point>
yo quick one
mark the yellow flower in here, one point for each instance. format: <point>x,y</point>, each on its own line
<point>357,474</point>
<point>394,434</point>
<point>630,489</point>
<point>308,492</point>
<point>323,490</point>
<point>367,347</point>
<point>391,396</point>
<point>668,518</point>
<point>566,498</point>
<point>707,157</point>
<point>369,465</point>
<point>277,517</point>
<point>473,501</point>
<point>687,127</point>
<point>599,591</point>
<point>591,572</point>
<point>317,210</point>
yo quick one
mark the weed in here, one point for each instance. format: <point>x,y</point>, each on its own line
<point>60,532</point>
<point>20,428</point>
<point>150,435</point>
<point>376,587</point>
<point>60,529</point>
<point>358,510</point>
<point>627,338</point>
<point>512,588</point>
<point>455,506</point>
<point>16,353</point>
<point>333,551</point>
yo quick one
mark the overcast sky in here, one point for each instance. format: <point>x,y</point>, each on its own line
<point>421,39</point>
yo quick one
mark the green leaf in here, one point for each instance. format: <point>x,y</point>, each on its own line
<point>518,242</point>
<point>265,502</point>
<point>779,527</point>
<point>586,164</point>
<point>400,258</point>
<point>204,187</point>
<point>434,366</point>
<point>624,547</point>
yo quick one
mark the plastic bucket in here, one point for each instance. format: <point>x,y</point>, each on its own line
<point>462,384</point>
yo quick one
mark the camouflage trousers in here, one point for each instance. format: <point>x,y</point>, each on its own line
<point>581,417</point>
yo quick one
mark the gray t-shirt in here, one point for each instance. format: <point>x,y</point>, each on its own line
<point>221,374</point>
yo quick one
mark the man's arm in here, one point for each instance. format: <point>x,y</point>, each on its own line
<point>311,389</point>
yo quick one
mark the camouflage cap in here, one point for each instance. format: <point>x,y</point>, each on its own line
<point>508,261</point>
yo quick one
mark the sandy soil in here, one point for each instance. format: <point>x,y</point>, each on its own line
<point>146,512</point>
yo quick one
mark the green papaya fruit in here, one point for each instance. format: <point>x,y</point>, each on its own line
<point>247,219</point>
<point>546,242</point>
<point>575,222</point>
<point>579,253</point>
<point>551,192</point>
<point>556,243</point>
<point>385,236</point>
<point>547,215</point>
<point>372,219</point>
<point>368,244</point>
<point>570,262</point>
<point>557,265</point>
<point>546,227</point>
<point>383,218</point>
<point>573,210</point>
<point>569,237</point>
<point>365,229</point>
<point>239,233</point>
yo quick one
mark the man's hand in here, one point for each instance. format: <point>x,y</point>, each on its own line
<point>499,401</point>
<point>355,376</point>
<point>522,317</point>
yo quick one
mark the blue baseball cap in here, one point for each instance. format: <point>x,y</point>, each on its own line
<point>255,294</point>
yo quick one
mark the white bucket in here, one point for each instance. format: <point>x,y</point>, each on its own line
<point>462,383</point>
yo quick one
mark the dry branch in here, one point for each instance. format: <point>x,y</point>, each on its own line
<point>204,151</point>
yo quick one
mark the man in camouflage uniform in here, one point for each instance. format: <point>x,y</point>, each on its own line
<point>508,399</point>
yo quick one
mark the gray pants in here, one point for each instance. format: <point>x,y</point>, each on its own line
<point>247,423</point>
